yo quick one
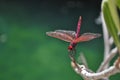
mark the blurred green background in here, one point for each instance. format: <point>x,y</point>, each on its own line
<point>26,53</point>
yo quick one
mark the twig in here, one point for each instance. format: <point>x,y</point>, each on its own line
<point>107,43</point>
<point>113,52</point>
<point>111,41</point>
<point>83,60</point>
<point>93,76</point>
<point>106,40</point>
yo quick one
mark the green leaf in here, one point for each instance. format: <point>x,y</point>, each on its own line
<point>114,14</point>
<point>118,3</point>
<point>110,22</point>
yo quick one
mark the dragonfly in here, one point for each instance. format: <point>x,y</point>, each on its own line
<point>73,37</point>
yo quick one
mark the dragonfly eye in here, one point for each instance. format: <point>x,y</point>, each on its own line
<point>70,47</point>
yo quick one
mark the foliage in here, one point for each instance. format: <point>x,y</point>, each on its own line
<point>111,17</point>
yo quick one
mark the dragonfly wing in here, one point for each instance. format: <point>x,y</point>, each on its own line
<point>68,32</point>
<point>87,37</point>
<point>60,35</point>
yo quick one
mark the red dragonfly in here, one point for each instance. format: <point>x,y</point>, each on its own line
<point>72,36</point>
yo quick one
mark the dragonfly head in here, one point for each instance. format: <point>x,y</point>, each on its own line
<point>70,47</point>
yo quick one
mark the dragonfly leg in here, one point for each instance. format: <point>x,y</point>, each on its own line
<point>72,54</point>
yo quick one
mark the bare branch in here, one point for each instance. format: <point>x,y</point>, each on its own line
<point>83,60</point>
<point>106,40</point>
<point>108,59</point>
<point>108,55</point>
<point>83,71</point>
<point>111,41</point>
